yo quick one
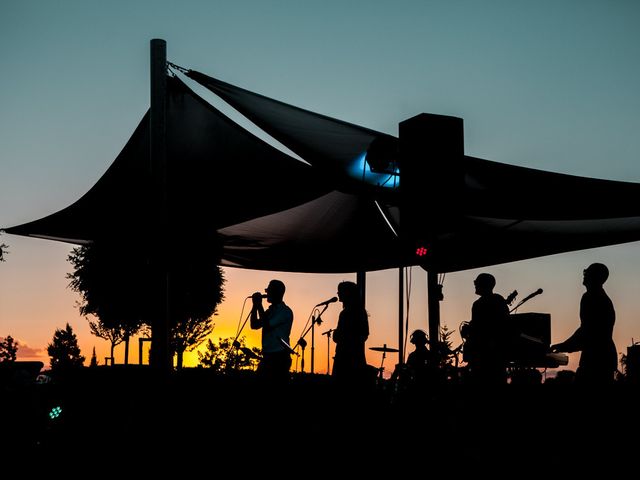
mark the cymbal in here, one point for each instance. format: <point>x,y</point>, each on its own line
<point>250,353</point>
<point>384,349</point>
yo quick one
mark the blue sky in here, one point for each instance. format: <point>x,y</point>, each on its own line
<point>551,85</point>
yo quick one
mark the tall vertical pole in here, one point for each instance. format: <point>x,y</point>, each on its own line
<point>329,351</point>
<point>433,295</point>
<point>313,344</point>
<point>160,355</point>
<point>400,315</point>
<point>361,280</point>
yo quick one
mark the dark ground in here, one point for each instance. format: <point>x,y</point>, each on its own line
<point>201,422</point>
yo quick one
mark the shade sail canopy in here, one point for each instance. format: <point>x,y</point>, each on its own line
<point>218,174</point>
<point>335,146</point>
<point>336,233</point>
<point>333,215</point>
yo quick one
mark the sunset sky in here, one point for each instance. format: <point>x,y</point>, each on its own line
<point>546,84</point>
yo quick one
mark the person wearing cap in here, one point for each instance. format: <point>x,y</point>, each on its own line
<point>594,337</point>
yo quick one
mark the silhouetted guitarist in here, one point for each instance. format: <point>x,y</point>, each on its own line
<point>486,332</point>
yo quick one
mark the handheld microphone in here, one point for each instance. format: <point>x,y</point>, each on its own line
<point>264,295</point>
<point>327,302</point>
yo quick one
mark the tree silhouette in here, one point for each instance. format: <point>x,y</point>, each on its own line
<point>108,291</point>
<point>64,351</point>
<point>8,349</point>
<point>225,357</point>
<point>3,251</point>
<point>188,335</point>
<point>94,359</point>
<point>114,334</point>
<point>443,349</point>
<point>446,357</point>
<point>630,365</point>
<point>197,290</point>
<point>115,283</point>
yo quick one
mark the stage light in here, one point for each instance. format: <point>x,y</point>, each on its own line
<point>421,251</point>
<point>382,155</point>
<point>55,412</point>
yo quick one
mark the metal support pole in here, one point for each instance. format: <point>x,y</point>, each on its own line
<point>433,292</point>
<point>313,344</point>
<point>401,315</point>
<point>160,356</point>
<point>361,280</point>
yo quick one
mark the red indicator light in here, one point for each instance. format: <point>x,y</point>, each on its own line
<point>421,251</point>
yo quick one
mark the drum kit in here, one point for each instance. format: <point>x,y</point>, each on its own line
<point>384,349</point>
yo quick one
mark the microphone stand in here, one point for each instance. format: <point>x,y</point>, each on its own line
<point>328,334</point>
<point>526,299</point>
<point>303,344</point>
<point>314,320</point>
<point>235,340</point>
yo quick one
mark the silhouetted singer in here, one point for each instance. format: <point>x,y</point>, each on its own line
<point>276,323</point>
<point>350,335</point>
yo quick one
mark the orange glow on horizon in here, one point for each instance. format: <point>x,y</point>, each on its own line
<point>36,300</point>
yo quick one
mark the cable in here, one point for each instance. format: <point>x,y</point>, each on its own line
<point>388,178</point>
<point>408,278</point>
<point>179,68</point>
<point>239,329</point>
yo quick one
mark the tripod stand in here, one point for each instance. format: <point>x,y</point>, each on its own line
<point>328,334</point>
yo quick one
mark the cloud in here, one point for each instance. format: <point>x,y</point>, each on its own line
<point>25,352</point>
